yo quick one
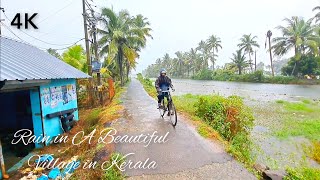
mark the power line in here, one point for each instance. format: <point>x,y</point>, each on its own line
<point>11,31</point>
<point>70,45</point>
<point>37,46</point>
<point>56,12</point>
<point>54,44</point>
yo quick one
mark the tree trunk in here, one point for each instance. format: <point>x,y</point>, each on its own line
<point>250,61</point>
<point>295,63</point>
<point>255,60</point>
<point>213,61</point>
<point>271,63</point>
<point>120,60</point>
<point>128,70</point>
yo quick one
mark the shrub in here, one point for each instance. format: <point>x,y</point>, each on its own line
<point>231,119</point>
<point>316,151</point>
<point>229,116</point>
<point>204,74</point>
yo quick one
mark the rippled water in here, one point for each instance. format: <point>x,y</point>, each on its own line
<point>256,91</point>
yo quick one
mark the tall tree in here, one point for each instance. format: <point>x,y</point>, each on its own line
<point>296,35</point>
<point>213,44</point>
<point>317,15</point>
<point>239,61</point>
<point>121,38</point>
<point>180,62</point>
<point>203,48</point>
<point>247,43</point>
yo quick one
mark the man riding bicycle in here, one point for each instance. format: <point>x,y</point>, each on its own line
<point>162,83</point>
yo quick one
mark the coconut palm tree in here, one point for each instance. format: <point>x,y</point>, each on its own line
<point>180,62</point>
<point>213,44</point>
<point>239,61</point>
<point>297,35</point>
<point>203,48</point>
<point>317,16</point>
<point>195,60</point>
<point>247,43</point>
<point>120,39</point>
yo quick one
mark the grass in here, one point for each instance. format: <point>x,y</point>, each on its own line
<point>298,119</point>
<point>315,151</point>
<point>303,173</point>
<point>306,128</point>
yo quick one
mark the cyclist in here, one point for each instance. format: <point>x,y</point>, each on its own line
<point>162,83</point>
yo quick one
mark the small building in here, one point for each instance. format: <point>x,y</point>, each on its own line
<point>37,93</point>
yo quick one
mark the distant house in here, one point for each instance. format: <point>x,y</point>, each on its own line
<point>37,91</point>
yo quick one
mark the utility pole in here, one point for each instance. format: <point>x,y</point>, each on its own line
<point>269,34</point>
<point>95,45</point>
<point>85,26</point>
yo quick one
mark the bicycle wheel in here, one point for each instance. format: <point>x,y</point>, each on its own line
<point>173,115</point>
<point>162,109</point>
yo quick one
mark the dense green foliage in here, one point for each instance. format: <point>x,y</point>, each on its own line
<point>257,77</point>
<point>120,41</point>
<point>229,116</point>
<point>231,119</point>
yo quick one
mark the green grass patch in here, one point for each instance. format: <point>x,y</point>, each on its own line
<point>305,128</point>
<point>280,101</point>
<point>113,172</point>
<point>298,119</point>
<point>298,107</point>
<point>303,173</point>
<point>147,85</point>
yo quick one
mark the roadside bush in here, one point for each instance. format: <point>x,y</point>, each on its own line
<point>231,119</point>
<point>229,116</point>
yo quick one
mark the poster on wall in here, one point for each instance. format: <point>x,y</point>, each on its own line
<point>65,99</point>
<point>45,96</point>
<point>53,95</point>
<point>74,92</point>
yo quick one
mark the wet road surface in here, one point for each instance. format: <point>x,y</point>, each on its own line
<point>185,154</point>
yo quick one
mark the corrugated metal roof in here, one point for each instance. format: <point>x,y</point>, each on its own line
<point>20,61</point>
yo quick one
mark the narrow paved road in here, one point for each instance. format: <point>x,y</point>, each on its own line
<point>185,154</point>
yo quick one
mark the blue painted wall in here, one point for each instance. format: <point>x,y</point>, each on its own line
<point>57,96</point>
<point>36,114</point>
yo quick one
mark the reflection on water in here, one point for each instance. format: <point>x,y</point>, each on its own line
<point>256,91</point>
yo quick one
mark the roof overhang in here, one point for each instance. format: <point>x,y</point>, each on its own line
<point>7,86</point>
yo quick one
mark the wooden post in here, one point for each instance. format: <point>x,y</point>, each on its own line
<point>3,168</point>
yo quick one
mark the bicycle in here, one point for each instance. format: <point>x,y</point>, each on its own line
<point>168,107</point>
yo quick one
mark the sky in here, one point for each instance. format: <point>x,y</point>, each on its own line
<point>177,25</point>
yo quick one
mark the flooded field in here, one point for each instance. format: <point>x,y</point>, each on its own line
<point>250,91</point>
<point>277,153</point>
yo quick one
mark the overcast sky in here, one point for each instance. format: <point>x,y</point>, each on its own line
<point>178,25</point>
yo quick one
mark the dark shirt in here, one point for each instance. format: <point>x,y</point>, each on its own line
<point>163,82</point>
